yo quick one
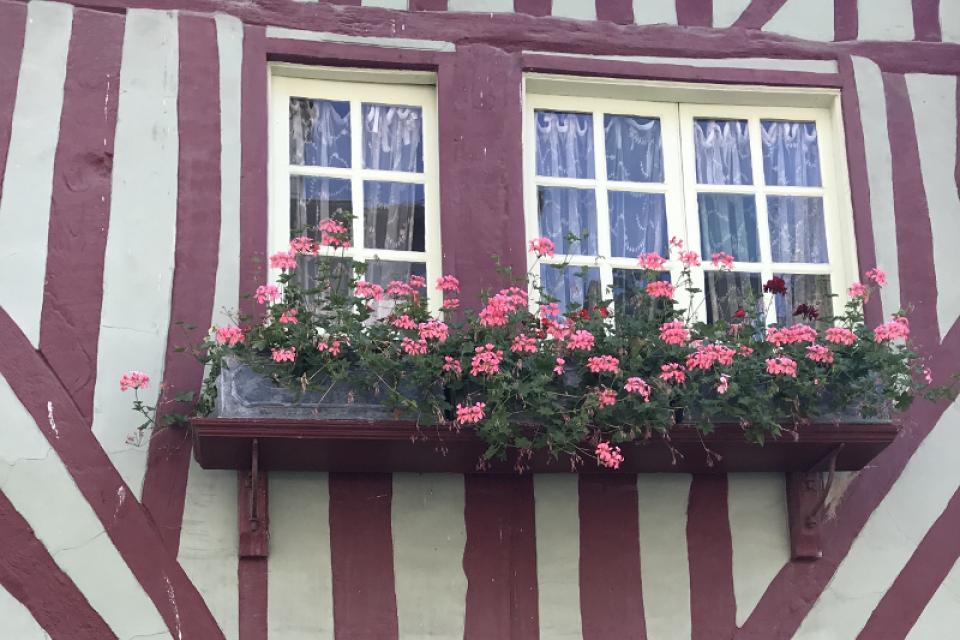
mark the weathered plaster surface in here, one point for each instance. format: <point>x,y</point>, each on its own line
<point>662,506</point>
<point>890,536</point>
<point>759,533</point>
<point>726,12</point>
<point>576,9</point>
<point>941,616</point>
<point>28,179</point>
<point>481,6</point>
<point>654,11</point>
<point>299,564</point>
<point>429,535</point>
<point>41,489</point>
<point>395,43</point>
<point>558,542</point>
<point>386,4</point>
<point>886,20</point>
<point>950,20</point>
<point>876,140</point>
<point>136,297</point>
<point>17,622</point>
<point>934,100</point>
<point>809,19</point>
<point>811,66</point>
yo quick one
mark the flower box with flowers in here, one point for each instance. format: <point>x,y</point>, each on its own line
<point>533,381</point>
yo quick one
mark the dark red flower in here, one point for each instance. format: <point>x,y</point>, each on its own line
<point>740,313</point>
<point>602,311</point>
<point>807,311</point>
<point>775,285</point>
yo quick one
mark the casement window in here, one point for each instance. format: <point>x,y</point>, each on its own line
<point>760,183</point>
<point>364,146</point>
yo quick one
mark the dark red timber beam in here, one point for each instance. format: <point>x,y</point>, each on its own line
<point>253,177</point>
<point>918,581</point>
<point>792,593</point>
<point>611,590</point>
<point>195,267</point>
<point>252,577</point>
<point>713,607</point>
<point>533,7</point>
<point>758,13</point>
<point>695,13</point>
<point>926,20</point>
<point>13,25</point>
<point>361,556</point>
<point>846,20</point>
<point>428,5</point>
<point>500,558</point>
<point>126,522</point>
<point>29,573</point>
<point>80,206</point>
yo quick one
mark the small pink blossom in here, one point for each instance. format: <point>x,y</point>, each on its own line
<point>791,335</point>
<point>229,335</point>
<point>676,242</point>
<point>404,322</point>
<point>638,386</point>
<point>448,283</point>
<point>722,260</point>
<point>651,261</point>
<point>819,353</point>
<point>877,276</point>
<point>606,397</point>
<point>524,344</point>
<point>303,244</point>
<point>134,380</point>
<point>329,346</point>
<point>283,355</point>
<point>659,289</point>
<point>289,317</point>
<point>840,335</point>
<point>724,384</point>
<point>500,306</point>
<point>434,330</point>
<point>471,413</point>
<point>558,369</point>
<point>899,327</point>
<point>673,372</point>
<point>486,361</point>
<point>608,364</point>
<point>368,290</point>
<point>417,282</point>
<point>857,290</point>
<point>708,355</point>
<point>451,303</point>
<point>559,330</point>
<point>399,289</point>
<point>581,340</point>
<point>549,310</point>
<point>332,234</point>
<point>268,292</point>
<point>414,347</point>
<point>452,365</point>
<point>744,350</point>
<point>286,260</point>
<point>927,375</point>
<point>607,456</point>
<point>690,258</point>
<point>782,365</point>
<point>674,333</point>
<point>543,247</point>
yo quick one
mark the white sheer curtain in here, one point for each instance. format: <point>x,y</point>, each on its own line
<point>319,133</point>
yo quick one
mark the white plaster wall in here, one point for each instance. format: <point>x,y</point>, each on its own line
<point>726,12</point>
<point>654,12</point>
<point>886,20</point>
<point>950,20</point>
<point>576,9</point>
<point>941,616</point>
<point>481,6</point>
<point>808,19</point>
<point>558,547</point>
<point>17,622</point>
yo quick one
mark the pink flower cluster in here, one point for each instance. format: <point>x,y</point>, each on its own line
<point>500,306</point>
<point>414,347</point>
<point>524,344</point>
<point>229,335</point>
<point>452,365</point>
<point>289,317</point>
<point>134,380</point>
<point>284,260</point>
<point>283,355</point>
<point>878,276</point>
<point>659,289</point>
<point>417,282</point>
<point>673,372</point>
<point>819,353</point>
<point>782,365</point>
<point>724,384</point>
<point>580,340</point>
<point>638,386</point>
<point>267,292</point>
<point>791,335</point>
<point>674,333</point>
<point>558,368</point>
<point>708,355</point>
<point>448,283</point>
<point>404,322</point>
<point>486,361</point>
<point>722,260</point>
<point>434,330</point>
<point>840,335</point>
<point>451,303</point>
<point>303,244</point>
<point>368,290</point>
<point>651,261</point>
<point>857,290</point>
<point>690,258</point>
<point>606,397</point>
<point>543,247</point>
<point>471,413</point>
<point>608,364</point>
<point>329,346</point>
<point>899,327</point>
<point>607,456</point>
<point>333,234</point>
<point>399,289</point>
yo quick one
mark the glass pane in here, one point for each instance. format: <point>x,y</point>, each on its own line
<point>728,223</point>
<point>319,132</point>
<point>383,272</point>
<point>572,286</point>
<point>811,290</point>
<point>313,199</point>
<point>722,151</point>
<point>564,144</point>
<point>566,212</point>
<point>634,148</point>
<point>627,287</point>
<point>393,216</point>
<point>392,137</point>
<point>332,274</point>
<point>725,292</point>
<point>638,223</point>
<point>797,230</point>
<point>791,155</point>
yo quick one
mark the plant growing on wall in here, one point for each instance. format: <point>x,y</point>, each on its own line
<point>528,375</point>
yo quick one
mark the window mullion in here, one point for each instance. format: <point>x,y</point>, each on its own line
<point>603,208</point>
<point>691,210</point>
<point>356,167</point>
<point>763,222</point>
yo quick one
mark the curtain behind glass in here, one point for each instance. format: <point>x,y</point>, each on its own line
<point>791,155</point>
<point>319,133</point>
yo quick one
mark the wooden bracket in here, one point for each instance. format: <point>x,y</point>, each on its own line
<point>806,500</point>
<point>253,520</point>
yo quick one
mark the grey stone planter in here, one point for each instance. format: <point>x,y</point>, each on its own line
<point>244,393</point>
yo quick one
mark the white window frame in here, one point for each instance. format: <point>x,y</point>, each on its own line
<point>363,86</point>
<point>677,104</point>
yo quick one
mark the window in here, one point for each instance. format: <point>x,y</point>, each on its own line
<point>625,176</point>
<point>361,149</point>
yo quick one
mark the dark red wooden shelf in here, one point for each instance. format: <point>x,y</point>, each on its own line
<point>291,445</point>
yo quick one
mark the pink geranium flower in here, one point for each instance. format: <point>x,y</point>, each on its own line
<point>286,260</point>
<point>486,361</point>
<point>580,340</point>
<point>229,335</point>
<point>673,372</point>
<point>434,330</point>
<point>471,413</point>
<point>722,260</point>
<point>606,397</point>
<point>404,322</point>
<point>414,347</point>
<point>283,355</point>
<point>674,333</point>
<point>448,283</point>
<point>543,247</point>
<point>897,328</point>
<point>782,366</point>
<point>857,290</point>
<point>819,353</point>
<point>708,355</point>
<point>329,346</point>
<point>399,289</point>
<point>603,364</point>
<point>267,292</point>
<point>134,380</point>
<point>451,303</point>
<point>659,289</point>
<point>690,258</point>
<point>558,369</point>
<point>452,365</point>
<point>638,386</point>
<point>724,384</point>
<point>524,344</point>
<point>877,276</point>
<point>791,335</point>
<point>651,261</point>
<point>417,282</point>
<point>840,335</point>
<point>303,244</point>
<point>607,456</point>
<point>289,317</point>
<point>368,290</point>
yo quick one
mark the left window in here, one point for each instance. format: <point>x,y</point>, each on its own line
<point>363,154</point>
